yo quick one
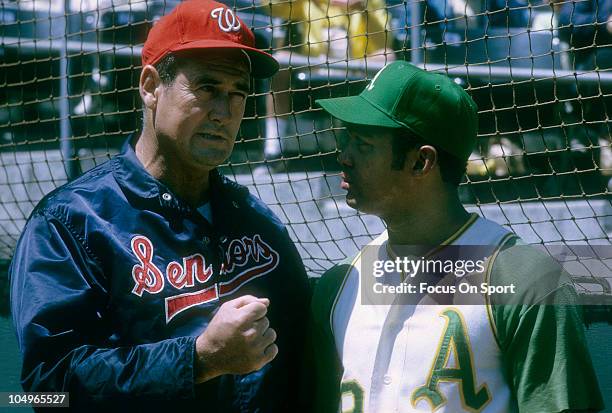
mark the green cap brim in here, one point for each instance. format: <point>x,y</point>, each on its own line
<point>357,110</point>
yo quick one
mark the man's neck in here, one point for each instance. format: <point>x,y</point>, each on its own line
<point>428,226</point>
<point>188,184</point>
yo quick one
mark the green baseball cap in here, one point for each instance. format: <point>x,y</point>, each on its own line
<point>430,105</point>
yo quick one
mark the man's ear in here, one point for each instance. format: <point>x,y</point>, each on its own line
<point>426,160</point>
<point>149,86</point>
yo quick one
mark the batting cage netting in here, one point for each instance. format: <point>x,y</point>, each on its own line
<point>539,71</point>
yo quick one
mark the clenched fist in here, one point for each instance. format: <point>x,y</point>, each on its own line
<point>238,340</point>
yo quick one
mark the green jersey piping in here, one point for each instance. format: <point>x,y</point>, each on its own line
<point>339,292</point>
<point>487,279</point>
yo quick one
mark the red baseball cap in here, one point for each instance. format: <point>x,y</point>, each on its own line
<point>205,24</point>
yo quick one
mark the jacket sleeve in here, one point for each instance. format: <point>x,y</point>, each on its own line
<point>296,327</point>
<point>59,301</point>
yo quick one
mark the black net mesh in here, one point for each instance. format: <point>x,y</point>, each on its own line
<point>539,72</point>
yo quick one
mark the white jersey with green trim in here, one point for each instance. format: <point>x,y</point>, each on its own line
<point>420,358</point>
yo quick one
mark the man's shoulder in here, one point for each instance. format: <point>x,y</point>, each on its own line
<point>533,269</point>
<point>259,208</point>
<point>329,284</point>
<point>340,269</point>
<point>539,283</point>
<point>80,192</point>
<point>241,194</point>
<point>326,290</point>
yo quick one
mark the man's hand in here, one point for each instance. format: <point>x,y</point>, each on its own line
<point>238,339</point>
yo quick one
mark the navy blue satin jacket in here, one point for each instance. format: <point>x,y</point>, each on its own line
<point>114,278</point>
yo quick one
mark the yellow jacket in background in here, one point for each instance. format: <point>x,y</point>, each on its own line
<point>335,30</point>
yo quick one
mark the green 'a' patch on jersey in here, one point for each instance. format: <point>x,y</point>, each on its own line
<point>454,342</point>
<point>354,392</point>
<point>463,358</point>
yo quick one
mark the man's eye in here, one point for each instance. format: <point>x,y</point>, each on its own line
<point>207,88</point>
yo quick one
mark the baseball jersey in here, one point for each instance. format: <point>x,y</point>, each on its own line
<point>527,356</point>
<point>114,277</point>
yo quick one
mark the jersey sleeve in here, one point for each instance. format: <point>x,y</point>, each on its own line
<point>321,354</point>
<point>59,298</point>
<point>541,334</point>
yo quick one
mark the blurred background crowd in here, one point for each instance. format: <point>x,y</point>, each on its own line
<point>515,57</point>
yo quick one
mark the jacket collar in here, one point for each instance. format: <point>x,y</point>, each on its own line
<point>131,175</point>
<point>133,178</point>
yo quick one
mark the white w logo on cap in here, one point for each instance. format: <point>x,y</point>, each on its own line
<point>227,20</point>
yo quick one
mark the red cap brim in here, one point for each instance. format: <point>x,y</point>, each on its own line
<point>263,64</point>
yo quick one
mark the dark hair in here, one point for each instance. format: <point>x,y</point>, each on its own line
<point>452,168</point>
<point>167,68</point>
<point>403,142</point>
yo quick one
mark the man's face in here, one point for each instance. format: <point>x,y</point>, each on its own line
<point>198,115</point>
<point>371,185</point>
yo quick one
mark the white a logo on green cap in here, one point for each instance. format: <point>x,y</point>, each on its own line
<point>371,85</point>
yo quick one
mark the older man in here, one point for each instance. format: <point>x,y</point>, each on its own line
<point>153,283</point>
<point>396,337</point>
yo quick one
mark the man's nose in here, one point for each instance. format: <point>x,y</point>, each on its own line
<point>220,108</point>
<point>344,158</point>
